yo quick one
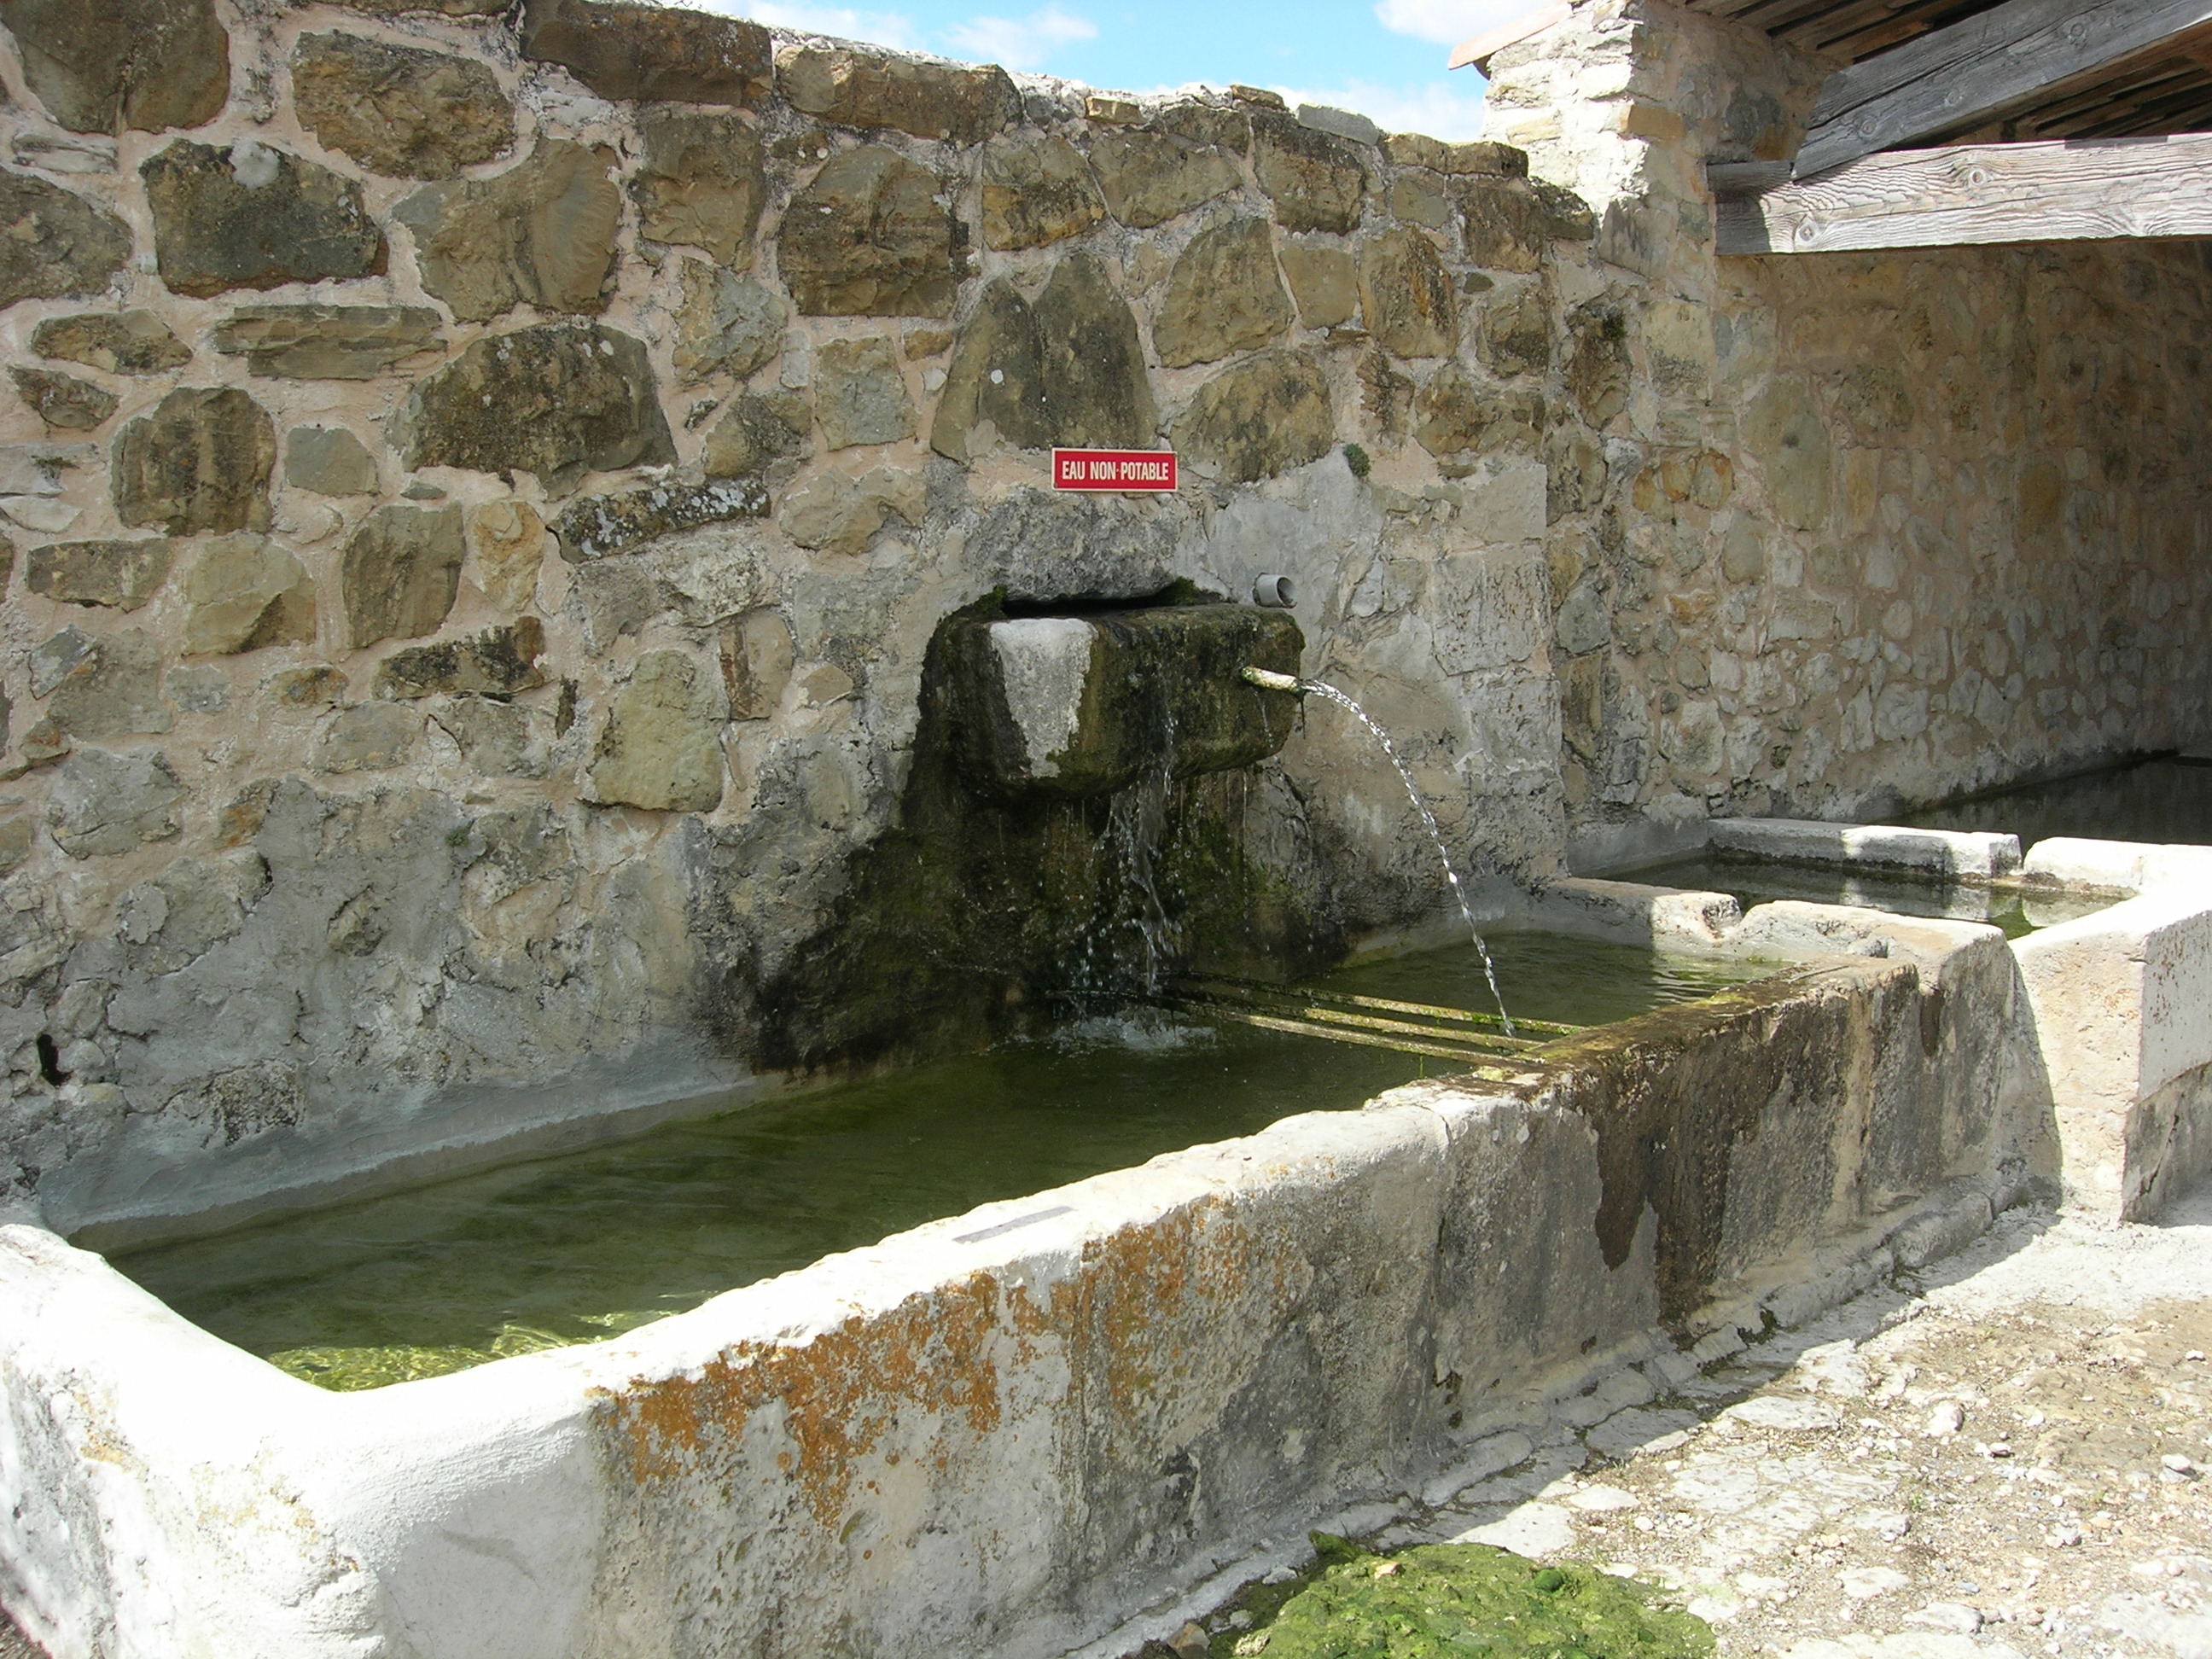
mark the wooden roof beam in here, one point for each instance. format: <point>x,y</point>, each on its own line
<point>1981,66</point>
<point>2061,190</point>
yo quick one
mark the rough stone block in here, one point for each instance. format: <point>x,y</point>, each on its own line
<point>1458,421</point>
<point>540,234</point>
<point>399,111</point>
<point>1037,192</point>
<point>246,594</point>
<point>1515,336</point>
<point>839,513</point>
<point>756,430</point>
<point>559,401</point>
<point>370,737</point>
<point>757,654</point>
<point>1224,295</point>
<point>869,237</point>
<point>1317,181</point>
<point>200,461</point>
<point>506,541</point>
<point>860,393</point>
<point>726,324</point>
<point>134,343</point>
<point>103,803</point>
<point>329,460</point>
<point>497,662</point>
<point>1150,177</point>
<point>1324,281</point>
<point>996,383</point>
<point>62,400</point>
<point>869,90</point>
<point>248,216</point>
<point>498,740</point>
<point>123,574</point>
<point>646,51</point>
<point>659,746</point>
<point>1261,417</point>
<point>325,342</point>
<point>400,573</point>
<point>1096,392</point>
<point>111,686</point>
<point>700,182</point>
<point>1406,295</point>
<point>53,242</point>
<point>1075,706</point>
<point>1414,150</point>
<point>99,65</point>
<point>598,527</point>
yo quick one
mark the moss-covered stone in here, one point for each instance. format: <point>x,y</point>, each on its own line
<point>855,87</point>
<point>397,110</point>
<point>496,662</point>
<point>248,215</point>
<point>559,401</point>
<point>1036,193</point>
<point>869,237</point>
<point>53,242</point>
<point>134,343</point>
<point>98,65</point>
<point>541,233</point>
<point>201,460</point>
<point>648,52</point>
<point>700,182</point>
<point>1224,295</point>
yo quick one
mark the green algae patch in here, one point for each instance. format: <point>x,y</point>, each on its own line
<point>345,1370</point>
<point>1462,1600</point>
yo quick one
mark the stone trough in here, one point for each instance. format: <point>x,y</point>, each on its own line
<point>1042,1424</point>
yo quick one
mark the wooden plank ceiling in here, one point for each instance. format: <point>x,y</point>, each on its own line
<point>2165,91</point>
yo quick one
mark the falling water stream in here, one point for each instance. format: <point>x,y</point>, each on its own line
<point>1273,681</point>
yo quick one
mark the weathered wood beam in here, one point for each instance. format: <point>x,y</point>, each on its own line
<point>2082,190</point>
<point>1980,66</point>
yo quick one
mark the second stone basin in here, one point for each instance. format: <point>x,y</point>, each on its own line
<point>1085,704</point>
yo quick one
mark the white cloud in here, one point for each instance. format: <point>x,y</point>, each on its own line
<point>1021,43</point>
<point>1448,23</point>
<point>1441,111</point>
<point>882,29</point>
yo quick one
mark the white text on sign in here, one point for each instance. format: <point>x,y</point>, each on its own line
<point>1113,469</point>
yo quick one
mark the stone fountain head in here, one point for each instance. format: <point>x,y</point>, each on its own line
<point>1087,703</point>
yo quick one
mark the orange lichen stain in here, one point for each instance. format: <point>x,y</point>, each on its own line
<point>841,1390</point>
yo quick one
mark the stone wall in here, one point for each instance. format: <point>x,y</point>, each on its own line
<point>480,489</point>
<point>1865,529</point>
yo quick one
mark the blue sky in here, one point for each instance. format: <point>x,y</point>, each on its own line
<point>1383,58</point>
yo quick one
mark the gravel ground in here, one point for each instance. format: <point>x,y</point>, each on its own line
<point>2008,1458</point>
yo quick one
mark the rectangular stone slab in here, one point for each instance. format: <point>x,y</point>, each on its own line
<point>1085,705</point>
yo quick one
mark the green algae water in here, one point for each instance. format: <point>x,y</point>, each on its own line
<point>1755,881</point>
<point>1460,1601</point>
<point>580,1246</point>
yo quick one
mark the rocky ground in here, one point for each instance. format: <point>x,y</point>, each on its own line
<point>2008,1458</point>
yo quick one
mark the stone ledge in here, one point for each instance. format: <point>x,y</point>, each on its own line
<point>1958,855</point>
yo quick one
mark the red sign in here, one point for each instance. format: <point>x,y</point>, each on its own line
<point>1113,469</point>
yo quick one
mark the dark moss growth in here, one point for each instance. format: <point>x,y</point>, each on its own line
<point>1673,1093</point>
<point>1454,1601</point>
<point>1356,459</point>
<point>985,912</point>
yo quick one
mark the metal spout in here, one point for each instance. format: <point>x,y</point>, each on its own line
<point>1268,680</point>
